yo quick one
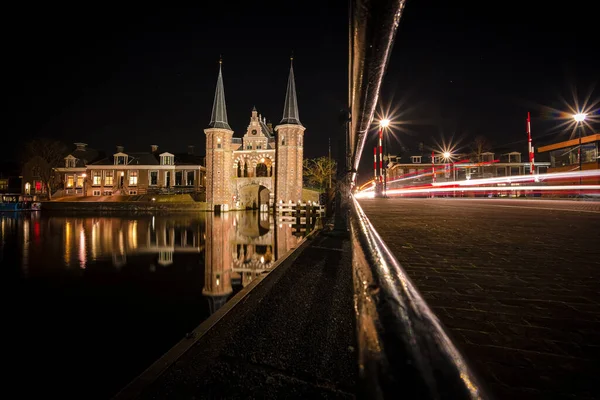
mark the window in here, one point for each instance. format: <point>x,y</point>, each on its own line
<point>190,178</point>
<point>249,147</point>
<point>132,192</point>
<point>166,160</point>
<point>38,186</point>
<point>261,170</point>
<point>283,140</point>
<point>178,178</point>
<point>80,181</point>
<point>95,193</point>
<point>153,178</point>
<point>70,162</point>
<point>3,184</point>
<point>133,178</point>
<point>108,178</point>
<point>120,160</point>
<point>416,159</point>
<point>70,181</point>
<point>258,147</point>
<point>108,192</point>
<point>218,145</point>
<point>96,178</point>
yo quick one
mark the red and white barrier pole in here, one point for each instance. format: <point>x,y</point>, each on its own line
<point>381,155</point>
<point>375,165</point>
<point>531,158</point>
<point>432,167</point>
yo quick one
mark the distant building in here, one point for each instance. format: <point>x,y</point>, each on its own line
<point>564,156</point>
<point>88,173</point>
<point>10,178</point>
<point>417,166</point>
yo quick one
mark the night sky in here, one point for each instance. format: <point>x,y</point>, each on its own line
<point>140,76</point>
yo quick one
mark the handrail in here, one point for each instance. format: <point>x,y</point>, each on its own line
<point>403,349</point>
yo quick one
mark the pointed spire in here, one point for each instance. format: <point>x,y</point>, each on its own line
<point>290,109</point>
<point>218,118</point>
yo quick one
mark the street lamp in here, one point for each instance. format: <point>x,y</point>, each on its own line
<point>447,156</point>
<point>384,123</point>
<point>579,120</point>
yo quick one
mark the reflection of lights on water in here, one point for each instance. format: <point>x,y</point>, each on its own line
<point>262,259</point>
<point>121,243</point>
<point>218,281</point>
<point>25,263</point>
<point>82,245</point>
<point>132,233</point>
<point>95,240</point>
<point>67,255</point>
<point>153,222</point>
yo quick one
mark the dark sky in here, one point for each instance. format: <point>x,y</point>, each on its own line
<point>140,76</point>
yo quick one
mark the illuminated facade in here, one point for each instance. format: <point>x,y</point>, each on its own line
<point>130,173</point>
<point>263,166</point>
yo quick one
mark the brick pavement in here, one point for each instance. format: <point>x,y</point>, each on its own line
<point>516,282</point>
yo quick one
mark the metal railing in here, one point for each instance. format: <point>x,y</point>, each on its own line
<point>403,350</point>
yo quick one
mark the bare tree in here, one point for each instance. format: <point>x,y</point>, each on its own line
<point>479,146</point>
<point>42,156</point>
<point>317,171</point>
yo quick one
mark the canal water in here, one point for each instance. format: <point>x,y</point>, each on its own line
<point>90,302</point>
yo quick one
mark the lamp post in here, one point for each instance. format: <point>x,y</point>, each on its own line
<point>384,123</point>
<point>447,156</point>
<point>579,120</point>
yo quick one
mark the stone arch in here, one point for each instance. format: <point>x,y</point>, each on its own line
<point>254,197</point>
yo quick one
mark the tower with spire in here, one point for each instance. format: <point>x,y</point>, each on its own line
<point>290,145</point>
<point>219,153</point>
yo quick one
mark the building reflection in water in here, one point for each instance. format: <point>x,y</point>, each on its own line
<point>237,246</point>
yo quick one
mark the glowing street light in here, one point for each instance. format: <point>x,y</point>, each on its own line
<point>447,155</point>
<point>579,117</point>
<point>384,123</point>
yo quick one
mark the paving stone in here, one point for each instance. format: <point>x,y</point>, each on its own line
<point>516,282</point>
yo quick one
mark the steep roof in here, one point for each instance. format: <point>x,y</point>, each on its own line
<point>290,108</point>
<point>218,117</point>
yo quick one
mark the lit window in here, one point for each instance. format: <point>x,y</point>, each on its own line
<point>283,140</point>
<point>416,159</point>
<point>70,181</point>
<point>108,178</point>
<point>80,181</point>
<point>133,178</point>
<point>120,160</point>
<point>96,178</point>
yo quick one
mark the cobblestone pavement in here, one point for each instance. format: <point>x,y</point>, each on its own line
<point>516,282</point>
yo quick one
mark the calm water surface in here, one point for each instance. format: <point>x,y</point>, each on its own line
<point>90,302</point>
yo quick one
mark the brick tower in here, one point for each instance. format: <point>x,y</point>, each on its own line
<point>290,145</point>
<point>219,155</point>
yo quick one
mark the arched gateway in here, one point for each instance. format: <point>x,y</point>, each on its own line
<point>260,168</point>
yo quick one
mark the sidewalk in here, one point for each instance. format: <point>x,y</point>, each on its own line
<point>292,336</point>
